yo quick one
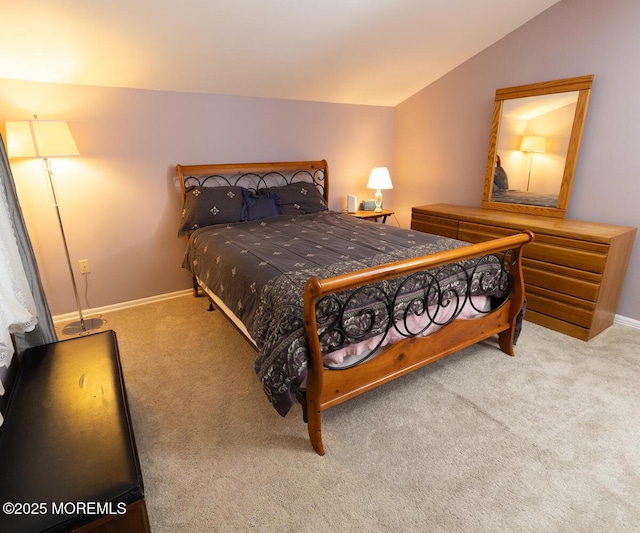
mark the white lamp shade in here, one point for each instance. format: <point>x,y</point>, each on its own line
<point>39,138</point>
<point>533,143</point>
<point>380,179</point>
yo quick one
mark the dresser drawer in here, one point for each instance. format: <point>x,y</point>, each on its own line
<point>558,325</point>
<point>579,254</point>
<point>562,307</point>
<point>434,225</point>
<point>564,280</point>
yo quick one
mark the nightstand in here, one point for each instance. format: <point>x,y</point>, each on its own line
<point>373,215</point>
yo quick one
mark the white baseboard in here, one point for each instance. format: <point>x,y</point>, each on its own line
<point>627,321</point>
<point>123,305</point>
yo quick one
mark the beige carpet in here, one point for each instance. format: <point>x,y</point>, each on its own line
<point>546,441</point>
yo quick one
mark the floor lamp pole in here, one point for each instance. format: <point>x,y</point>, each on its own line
<point>530,164</point>
<point>47,165</point>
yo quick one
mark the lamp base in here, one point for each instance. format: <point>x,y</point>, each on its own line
<point>378,197</point>
<point>76,328</point>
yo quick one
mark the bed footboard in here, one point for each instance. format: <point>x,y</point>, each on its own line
<point>327,386</point>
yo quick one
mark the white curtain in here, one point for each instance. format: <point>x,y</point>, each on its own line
<point>18,313</point>
<point>21,295</point>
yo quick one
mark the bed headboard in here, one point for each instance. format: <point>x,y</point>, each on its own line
<point>255,176</point>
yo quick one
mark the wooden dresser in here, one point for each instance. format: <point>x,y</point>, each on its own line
<point>573,270</point>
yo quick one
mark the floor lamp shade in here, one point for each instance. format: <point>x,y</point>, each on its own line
<point>40,138</point>
<point>533,143</point>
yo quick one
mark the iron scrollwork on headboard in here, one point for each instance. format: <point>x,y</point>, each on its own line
<point>412,304</point>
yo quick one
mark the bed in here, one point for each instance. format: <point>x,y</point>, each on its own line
<point>333,304</point>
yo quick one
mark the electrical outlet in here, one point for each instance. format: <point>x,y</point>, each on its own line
<point>84,266</point>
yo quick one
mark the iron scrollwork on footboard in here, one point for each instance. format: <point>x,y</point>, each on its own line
<point>412,305</point>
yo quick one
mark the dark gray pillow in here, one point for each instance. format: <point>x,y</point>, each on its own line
<point>206,206</point>
<point>299,198</point>
<point>260,205</point>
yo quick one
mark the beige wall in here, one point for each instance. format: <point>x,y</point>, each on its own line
<point>442,133</point>
<point>119,199</point>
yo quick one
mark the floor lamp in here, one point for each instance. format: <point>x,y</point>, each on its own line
<point>44,139</point>
<point>532,144</point>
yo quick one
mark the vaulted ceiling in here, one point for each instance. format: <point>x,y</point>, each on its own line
<point>375,52</point>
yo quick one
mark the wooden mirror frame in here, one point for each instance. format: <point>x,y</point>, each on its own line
<point>581,84</point>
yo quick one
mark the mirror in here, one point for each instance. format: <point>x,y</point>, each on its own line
<point>533,148</point>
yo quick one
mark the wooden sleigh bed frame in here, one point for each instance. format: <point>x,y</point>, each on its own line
<point>327,387</point>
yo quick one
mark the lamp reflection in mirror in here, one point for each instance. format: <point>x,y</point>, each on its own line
<point>44,139</point>
<point>532,144</point>
<point>379,179</point>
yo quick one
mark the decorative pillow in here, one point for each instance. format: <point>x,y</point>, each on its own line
<point>206,206</point>
<point>260,205</point>
<point>299,198</point>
